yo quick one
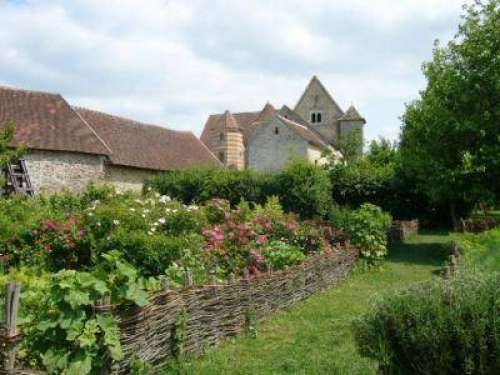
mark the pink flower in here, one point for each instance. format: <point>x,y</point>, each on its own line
<point>47,248</point>
<point>261,240</point>
<point>292,225</point>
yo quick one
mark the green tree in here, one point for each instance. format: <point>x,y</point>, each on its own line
<point>7,152</point>
<point>351,146</point>
<point>450,140</point>
<point>382,152</point>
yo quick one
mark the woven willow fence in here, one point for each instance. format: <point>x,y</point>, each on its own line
<point>186,321</point>
<point>401,230</point>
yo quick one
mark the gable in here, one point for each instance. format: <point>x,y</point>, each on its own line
<point>317,98</point>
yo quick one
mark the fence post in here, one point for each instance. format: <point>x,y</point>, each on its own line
<point>165,283</point>
<point>104,306</point>
<point>213,279</point>
<point>12,335</point>
<point>188,278</point>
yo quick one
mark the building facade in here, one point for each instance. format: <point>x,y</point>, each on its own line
<point>68,147</point>
<point>267,139</point>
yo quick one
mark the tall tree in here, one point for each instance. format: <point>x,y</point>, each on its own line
<point>450,140</point>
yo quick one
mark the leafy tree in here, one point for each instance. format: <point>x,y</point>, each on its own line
<point>382,152</point>
<point>7,153</point>
<point>450,136</point>
<point>351,145</point>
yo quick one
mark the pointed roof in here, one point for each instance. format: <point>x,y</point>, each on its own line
<point>229,122</point>
<point>266,113</point>
<point>315,81</point>
<point>290,114</point>
<point>352,115</point>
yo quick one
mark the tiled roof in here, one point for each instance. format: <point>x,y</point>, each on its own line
<point>146,146</point>
<point>247,123</point>
<point>304,132</point>
<point>228,122</point>
<point>352,115</point>
<point>46,121</point>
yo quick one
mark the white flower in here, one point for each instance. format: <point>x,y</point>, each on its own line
<point>144,215</point>
<point>131,209</point>
<point>98,224</point>
<point>150,233</point>
<point>116,222</point>
<point>145,210</point>
<point>90,214</point>
<point>161,220</point>
<point>164,199</point>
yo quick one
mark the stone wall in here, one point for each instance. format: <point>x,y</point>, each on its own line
<point>401,230</point>
<point>270,151</point>
<point>56,171</point>
<point>316,99</point>
<point>127,178</point>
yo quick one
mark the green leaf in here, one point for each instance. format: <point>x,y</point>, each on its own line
<point>111,335</point>
<point>88,336</point>
<point>77,298</point>
<point>80,365</point>
<point>54,361</point>
<point>135,294</point>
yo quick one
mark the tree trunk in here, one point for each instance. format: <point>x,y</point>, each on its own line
<point>453,215</point>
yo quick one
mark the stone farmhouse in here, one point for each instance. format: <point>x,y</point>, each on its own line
<point>266,139</point>
<point>70,147</point>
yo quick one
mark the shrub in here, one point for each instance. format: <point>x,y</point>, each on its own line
<point>479,251</point>
<point>436,328</point>
<point>302,187</point>
<point>305,188</point>
<point>367,228</point>
<point>198,185</point>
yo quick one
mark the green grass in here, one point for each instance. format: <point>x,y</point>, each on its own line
<point>314,337</point>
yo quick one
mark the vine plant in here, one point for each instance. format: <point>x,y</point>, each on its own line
<point>67,333</point>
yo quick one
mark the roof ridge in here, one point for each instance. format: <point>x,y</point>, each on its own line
<point>293,123</point>
<point>38,92</point>
<point>140,123</point>
<point>90,127</point>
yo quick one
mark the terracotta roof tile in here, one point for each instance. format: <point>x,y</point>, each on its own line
<point>46,121</point>
<point>146,146</point>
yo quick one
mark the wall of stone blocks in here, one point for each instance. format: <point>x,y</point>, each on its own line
<point>57,171</point>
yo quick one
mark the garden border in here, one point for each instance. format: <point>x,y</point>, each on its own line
<point>184,322</point>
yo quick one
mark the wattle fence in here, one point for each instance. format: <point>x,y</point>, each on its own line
<point>180,322</point>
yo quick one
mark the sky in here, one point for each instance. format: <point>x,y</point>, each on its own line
<point>172,63</point>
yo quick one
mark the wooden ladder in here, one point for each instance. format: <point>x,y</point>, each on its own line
<point>18,179</point>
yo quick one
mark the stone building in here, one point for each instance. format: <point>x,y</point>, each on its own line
<point>69,147</point>
<point>267,139</point>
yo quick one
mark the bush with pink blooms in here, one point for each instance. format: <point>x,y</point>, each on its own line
<point>262,238</point>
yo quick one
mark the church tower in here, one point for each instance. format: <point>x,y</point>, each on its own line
<point>317,106</point>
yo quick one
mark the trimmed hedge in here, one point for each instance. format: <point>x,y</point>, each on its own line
<point>436,328</point>
<point>301,187</point>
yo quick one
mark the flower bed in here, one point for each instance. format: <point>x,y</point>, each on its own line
<point>73,254</point>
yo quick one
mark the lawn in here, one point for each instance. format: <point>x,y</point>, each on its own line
<point>314,337</point>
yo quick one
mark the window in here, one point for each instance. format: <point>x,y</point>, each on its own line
<point>221,137</point>
<point>221,156</point>
<point>276,130</point>
<point>316,117</point>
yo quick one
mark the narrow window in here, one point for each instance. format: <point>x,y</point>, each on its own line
<point>313,117</point>
<point>276,130</point>
<point>221,137</point>
<point>318,117</point>
<point>221,156</point>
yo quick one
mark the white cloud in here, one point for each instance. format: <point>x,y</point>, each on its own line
<point>174,62</point>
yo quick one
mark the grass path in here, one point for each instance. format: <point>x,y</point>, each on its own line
<point>314,337</point>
